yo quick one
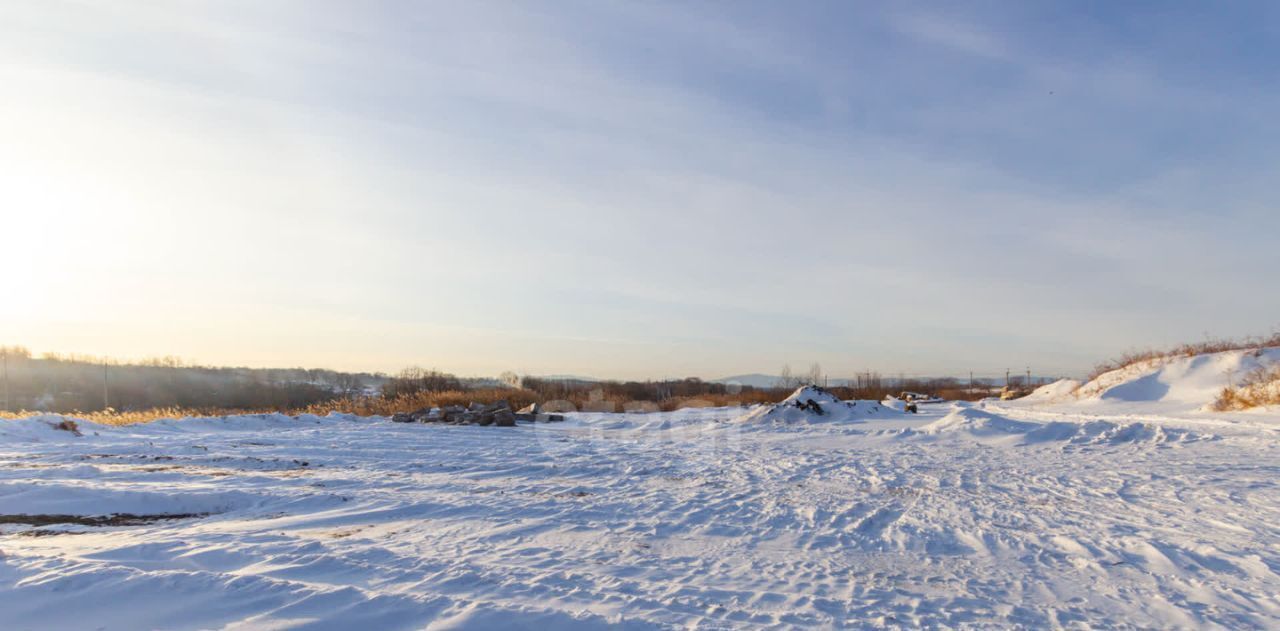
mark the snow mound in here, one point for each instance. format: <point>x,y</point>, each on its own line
<point>976,422</point>
<point>813,405</point>
<point>986,425</point>
<point>1056,391</point>
<point>1189,383</point>
<point>807,394</point>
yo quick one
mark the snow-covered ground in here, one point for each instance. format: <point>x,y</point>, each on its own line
<point>1009,514</point>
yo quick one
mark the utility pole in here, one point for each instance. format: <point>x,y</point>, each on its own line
<point>106,400</point>
<point>970,382</point>
<point>4,357</point>
<point>1006,378</point>
<point>1028,378</point>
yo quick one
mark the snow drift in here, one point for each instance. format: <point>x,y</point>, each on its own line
<point>727,518</point>
<point>1056,391</point>
<point>980,424</point>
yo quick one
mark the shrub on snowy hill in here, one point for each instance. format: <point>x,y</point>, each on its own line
<point>1259,388</point>
<point>1185,350</point>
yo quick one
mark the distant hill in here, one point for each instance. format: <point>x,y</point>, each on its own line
<point>758,380</point>
<point>570,378</point>
<point>755,380</point>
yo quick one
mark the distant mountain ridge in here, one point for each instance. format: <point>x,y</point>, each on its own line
<point>755,380</point>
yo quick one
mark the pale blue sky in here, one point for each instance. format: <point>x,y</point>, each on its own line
<point>640,189</point>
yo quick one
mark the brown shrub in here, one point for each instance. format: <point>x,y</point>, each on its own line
<point>68,426</point>
<point>1258,388</point>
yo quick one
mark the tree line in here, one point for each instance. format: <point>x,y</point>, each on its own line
<point>68,383</point>
<point>73,383</point>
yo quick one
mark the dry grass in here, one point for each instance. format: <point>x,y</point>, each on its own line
<point>1185,350</point>
<point>387,406</point>
<point>117,417</point>
<point>724,400</point>
<point>574,401</point>
<point>1260,387</point>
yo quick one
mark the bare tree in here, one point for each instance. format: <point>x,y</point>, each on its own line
<point>349,384</point>
<point>814,376</point>
<point>510,378</point>
<point>785,378</point>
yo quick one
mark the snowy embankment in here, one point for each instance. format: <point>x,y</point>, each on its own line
<point>720,517</point>
<point>1176,386</point>
<point>1168,392</point>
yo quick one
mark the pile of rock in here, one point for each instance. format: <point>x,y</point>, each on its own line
<point>533,413</point>
<point>809,405</point>
<point>498,414</point>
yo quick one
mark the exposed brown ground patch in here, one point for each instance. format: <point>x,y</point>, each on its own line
<point>118,519</point>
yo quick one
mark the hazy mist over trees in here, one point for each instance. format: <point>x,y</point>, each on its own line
<point>58,383</point>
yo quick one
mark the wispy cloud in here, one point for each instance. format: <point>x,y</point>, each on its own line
<point>952,33</point>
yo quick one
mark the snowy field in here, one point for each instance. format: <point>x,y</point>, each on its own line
<point>1041,513</point>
